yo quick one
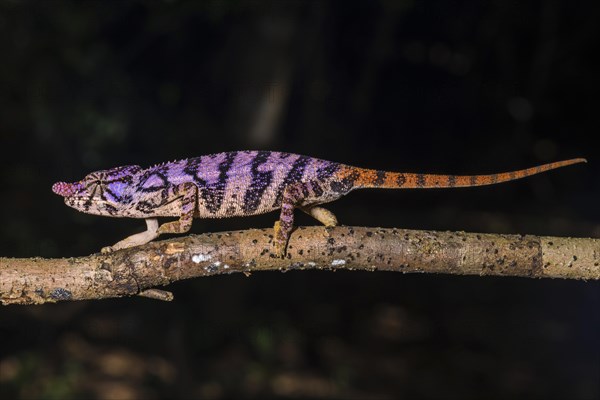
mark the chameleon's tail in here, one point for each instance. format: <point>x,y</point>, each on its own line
<point>370,178</point>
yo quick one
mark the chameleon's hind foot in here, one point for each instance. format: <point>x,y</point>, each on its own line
<point>321,214</point>
<point>293,195</point>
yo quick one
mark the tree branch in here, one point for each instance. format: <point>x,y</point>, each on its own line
<point>136,271</point>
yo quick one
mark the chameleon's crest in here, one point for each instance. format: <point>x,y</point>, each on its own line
<point>102,192</point>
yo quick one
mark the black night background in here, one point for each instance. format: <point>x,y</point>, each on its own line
<point>461,87</point>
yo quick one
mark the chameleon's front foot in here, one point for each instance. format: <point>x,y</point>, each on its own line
<point>279,241</point>
<point>136,240</point>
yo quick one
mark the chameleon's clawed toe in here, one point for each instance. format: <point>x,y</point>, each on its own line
<point>279,249</point>
<point>169,227</point>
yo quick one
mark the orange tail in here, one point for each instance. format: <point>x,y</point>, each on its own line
<point>370,178</point>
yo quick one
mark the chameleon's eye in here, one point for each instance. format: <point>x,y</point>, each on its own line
<point>92,183</point>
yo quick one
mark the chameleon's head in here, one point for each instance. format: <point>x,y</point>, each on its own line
<point>105,192</point>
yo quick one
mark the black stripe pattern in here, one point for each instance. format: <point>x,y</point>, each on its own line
<point>294,175</point>
<point>213,194</point>
<point>261,180</point>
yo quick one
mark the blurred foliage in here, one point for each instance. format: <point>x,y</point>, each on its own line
<point>437,86</point>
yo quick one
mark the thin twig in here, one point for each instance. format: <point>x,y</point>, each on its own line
<point>136,271</point>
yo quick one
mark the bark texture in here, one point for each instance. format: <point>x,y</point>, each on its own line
<point>139,270</point>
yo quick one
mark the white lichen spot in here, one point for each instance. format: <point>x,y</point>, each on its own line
<point>311,264</point>
<point>338,262</point>
<point>198,258</point>
<point>226,266</point>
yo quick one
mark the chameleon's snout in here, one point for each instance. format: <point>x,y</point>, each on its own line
<point>64,189</point>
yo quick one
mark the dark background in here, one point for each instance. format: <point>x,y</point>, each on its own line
<point>437,86</point>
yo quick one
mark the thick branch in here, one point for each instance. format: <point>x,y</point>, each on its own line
<point>139,269</point>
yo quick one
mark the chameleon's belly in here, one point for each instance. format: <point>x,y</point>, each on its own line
<point>253,202</point>
<point>230,209</point>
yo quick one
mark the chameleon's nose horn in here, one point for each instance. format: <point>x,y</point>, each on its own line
<point>64,189</point>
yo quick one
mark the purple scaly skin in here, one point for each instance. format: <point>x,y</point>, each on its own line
<point>243,183</point>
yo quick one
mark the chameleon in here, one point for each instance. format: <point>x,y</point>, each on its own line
<point>244,183</point>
